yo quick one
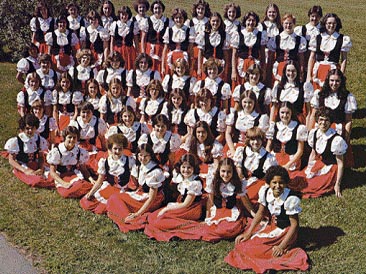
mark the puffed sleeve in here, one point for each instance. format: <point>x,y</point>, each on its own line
<point>155,178</point>
<point>74,40</point>
<point>264,39</point>
<point>268,96</point>
<point>302,133</point>
<point>264,122</point>
<point>84,156</point>
<point>308,91</point>
<point>303,45</point>
<point>243,189</point>
<point>351,104</point>
<point>347,44</point>
<point>262,195</point>
<point>102,127</point>
<point>129,81</point>
<point>20,99</point>
<point>82,33</point>
<point>298,30</point>
<point>104,34</point>
<point>221,119</point>
<point>274,92</point>
<point>131,162</point>
<point>311,137</point>
<point>48,38</point>
<point>157,75</point>
<point>314,102</point>
<point>165,109</point>
<point>145,129</point>
<point>312,44</point>
<point>238,156</point>
<point>226,92</point>
<point>32,24</point>
<point>200,40</point>
<point>112,130</point>
<point>166,36</point>
<point>338,146</point>
<point>54,97</point>
<point>166,82</point>
<point>101,166</point>
<point>230,117</point>
<point>271,45</point>
<point>175,142</point>
<point>53,124</point>
<point>23,66</point>
<point>270,161</point>
<point>196,87</point>
<point>189,119</point>
<point>142,105</point>
<point>142,140</point>
<point>131,102</point>
<point>12,146</point>
<point>48,98</point>
<point>234,43</point>
<point>194,188</point>
<point>112,28</point>
<point>54,157</point>
<point>217,150</point>
<point>193,81</point>
<point>236,93</point>
<point>103,104</point>
<point>270,131</point>
<point>77,98</point>
<point>43,145</point>
<point>292,205</point>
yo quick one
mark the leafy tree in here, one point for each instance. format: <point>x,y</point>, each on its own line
<point>16,15</point>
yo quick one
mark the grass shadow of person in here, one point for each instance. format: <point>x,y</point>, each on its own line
<point>359,113</point>
<point>358,133</point>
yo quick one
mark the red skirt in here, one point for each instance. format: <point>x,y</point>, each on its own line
<point>33,180</point>
<point>252,190</point>
<point>129,55</point>
<point>156,52</point>
<point>182,223</point>
<point>120,205</point>
<point>78,188</point>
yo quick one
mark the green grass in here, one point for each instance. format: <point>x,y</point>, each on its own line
<point>59,237</point>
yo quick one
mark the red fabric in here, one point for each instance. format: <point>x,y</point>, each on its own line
<point>129,55</point>
<point>43,48</point>
<point>256,254</point>
<point>33,180</point>
<point>252,190</point>
<point>175,55</point>
<point>121,204</point>
<point>182,223</point>
<point>77,189</point>
<point>96,206</point>
<point>247,63</point>
<point>158,50</point>
<point>64,121</point>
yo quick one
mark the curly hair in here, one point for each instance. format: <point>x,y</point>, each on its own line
<point>203,3</point>
<point>277,171</point>
<point>250,14</point>
<point>118,139</point>
<point>29,119</point>
<point>232,5</point>
<point>342,91</point>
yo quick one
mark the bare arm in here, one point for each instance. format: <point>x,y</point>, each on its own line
<point>291,234</point>
<point>229,140</point>
<point>247,204</point>
<point>186,203</point>
<point>97,184</point>
<point>248,233</point>
<point>233,65</point>
<point>311,63</point>
<point>337,186</point>
<point>344,61</point>
<point>297,156</point>
<point>152,195</point>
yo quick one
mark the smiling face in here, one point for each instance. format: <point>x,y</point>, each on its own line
<point>200,11</point>
<point>330,25</point>
<point>86,115</point>
<point>116,151</point>
<point>186,170</point>
<point>44,12</point>
<point>154,92</point>
<point>180,70</point>
<point>85,60</point>
<point>231,14</point>
<point>205,105</point>
<point>291,73</point>
<point>30,130</point>
<point>144,157</point>
<point>116,90</point>
<point>158,10</point>
<point>115,64</point>
<point>248,105</point>
<point>254,78</point>
<point>33,83</point>
<point>272,14</point>
<point>215,23</point>
<point>212,72</point>
<point>250,23</point>
<point>128,118</point>
<point>123,17</point>
<point>73,11</point>
<point>141,10</point>
<point>70,141</point>
<point>38,111</point>
<point>201,135</point>
<point>107,10</point>
<point>92,90</point>
<point>277,184</point>
<point>45,67</point>
<point>314,19</point>
<point>226,173</point>
<point>160,130</point>
<point>177,100</point>
<point>288,25</point>
<point>323,123</point>
<point>61,25</point>
<point>65,84</point>
<point>255,144</point>
<point>143,65</point>
<point>334,82</point>
<point>179,20</point>
<point>285,115</point>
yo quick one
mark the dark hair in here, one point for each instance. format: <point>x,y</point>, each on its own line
<point>115,57</point>
<point>253,69</point>
<point>118,139</point>
<point>277,171</point>
<point>249,14</point>
<point>203,95</point>
<point>139,2</point>
<point>71,130</point>
<point>147,148</point>
<point>278,18</point>
<point>64,75</point>
<point>253,134</point>
<point>208,26</point>
<point>73,4</point>
<point>192,160</point>
<point>161,118</point>
<point>142,56</point>
<point>291,107</point>
<point>125,10</point>
<point>127,109</point>
<point>39,6</point>
<point>323,22</point>
<point>96,83</point>
<point>342,91</point>
<point>157,2</point>
<point>235,180</point>
<point>251,95</point>
<point>113,11</point>
<point>27,48</point>
<point>324,112</point>
<point>208,143</point>
<point>316,9</point>
<point>284,78</point>
<point>85,106</point>
<point>45,58</point>
<point>94,15</point>
<point>205,4</point>
<point>179,92</point>
<point>63,17</point>
<point>212,62</point>
<point>178,11</point>
<point>232,5</point>
<point>155,84</point>
<point>29,119</point>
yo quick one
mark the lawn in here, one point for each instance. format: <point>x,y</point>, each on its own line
<point>59,237</point>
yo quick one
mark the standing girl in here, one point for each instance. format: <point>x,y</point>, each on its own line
<point>29,63</point>
<point>48,76</point>
<point>224,218</point>
<point>107,14</point>
<point>270,247</point>
<point>67,166</point>
<point>93,95</point>
<point>113,176</point>
<point>75,20</point>
<point>179,219</point>
<point>140,19</point>
<point>128,209</point>
<point>26,153</point>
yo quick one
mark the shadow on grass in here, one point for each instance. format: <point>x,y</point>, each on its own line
<point>359,114</point>
<point>312,239</point>
<point>353,178</point>
<point>358,133</point>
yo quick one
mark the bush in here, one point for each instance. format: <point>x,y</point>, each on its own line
<point>16,15</point>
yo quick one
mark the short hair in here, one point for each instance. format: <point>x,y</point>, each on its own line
<point>125,10</point>
<point>181,62</point>
<point>141,2</point>
<point>118,139</point>
<point>94,15</point>
<point>323,21</point>
<point>277,171</point>
<point>142,56</point>
<point>324,112</point>
<point>178,11</point>
<point>85,106</point>
<point>29,119</point>
<point>250,14</point>
<point>203,95</point>
<point>253,69</point>
<point>161,118</point>
<point>73,4</point>
<point>71,130</point>
<point>83,52</point>
<point>316,9</point>
<point>45,58</point>
<point>27,48</point>
<point>212,62</point>
<point>147,148</point>
<point>37,104</point>
<point>232,5</point>
<point>34,76</point>
<point>289,16</point>
<point>157,2</point>
<point>253,134</point>
<point>115,57</point>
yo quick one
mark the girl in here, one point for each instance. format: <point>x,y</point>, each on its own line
<point>61,45</point>
<point>111,104</point>
<point>246,117</point>
<point>224,219</point>
<point>288,46</point>
<point>286,139</point>
<point>253,161</point>
<point>153,38</point>
<point>123,35</point>
<point>84,71</point>
<point>65,101</point>
<point>33,92</point>
<point>200,13</point>
<point>231,14</point>
<point>113,176</point>
<point>29,63</point>
<point>219,89</point>
<point>26,153</point>
<point>140,19</point>
<point>75,20</point>
<point>180,79</point>
<point>324,172</point>
<point>41,23</point>
<point>270,247</point>
<point>47,125</point>
<point>108,14</point>
<point>271,24</point>
<point>130,127</point>
<point>179,219</point>
<point>140,77</point>
<point>327,49</point>
<point>202,143</point>
<point>212,42</point>
<point>48,76</point>
<point>205,110</point>
<point>175,109</point>
<point>253,82</point>
<point>290,90</point>
<point>96,38</point>
<point>177,40</point>
<point>67,166</point>
<point>153,103</point>
<point>93,95</point>
<point>114,67</point>
<point>248,45</point>
<point>163,142</point>
<point>128,209</point>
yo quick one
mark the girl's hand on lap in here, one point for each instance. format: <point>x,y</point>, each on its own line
<point>242,238</point>
<point>277,251</point>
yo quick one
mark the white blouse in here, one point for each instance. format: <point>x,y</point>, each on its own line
<point>116,167</point>
<point>46,79</point>
<point>246,121</point>
<point>116,104</point>
<point>213,85</point>
<point>178,34</point>
<point>250,38</point>
<point>141,22</point>
<point>61,38</point>
<point>93,33</point>
<point>83,73</point>
<point>67,157</point>
<point>190,119</point>
<point>289,93</point>
<point>197,28</point>
<point>42,124</point>
<point>285,132</point>
<point>159,144</point>
<point>256,89</point>
<point>111,73</point>
<point>332,102</point>
<point>128,132</point>
<point>287,42</point>
<point>23,64</point>
<point>65,98</point>
<point>75,23</point>
<point>30,144</point>
<point>107,21</point>
<point>123,28</point>
<point>178,82</point>
<point>87,129</point>
<point>142,78</point>
<point>272,29</point>
<point>192,186</point>
<point>44,24</point>
<point>177,114</point>
<point>151,107</point>
<point>328,42</point>
<point>338,145</point>
<point>214,38</point>
<point>34,95</point>
<point>311,31</point>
